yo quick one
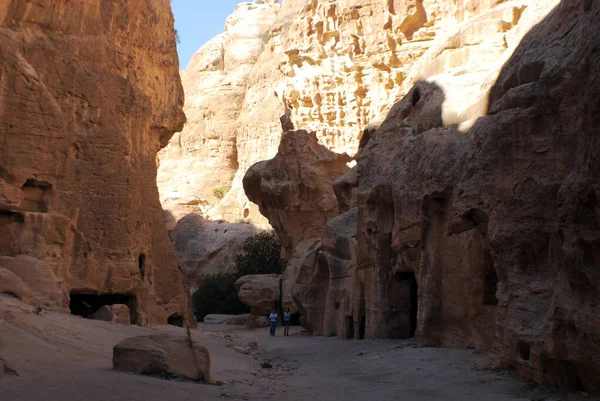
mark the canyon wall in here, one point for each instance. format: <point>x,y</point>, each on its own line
<point>472,217</point>
<point>89,93</point>
<point>331,67</point>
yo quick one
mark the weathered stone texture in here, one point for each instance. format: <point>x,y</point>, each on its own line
<point>330,67</point>
<point>89,93</point>
<point>204,155</point>
<point>477,215</point>
<point>160,355</point>
<point>208,247</point>
<point>117,313</point>
<point>294,190</point>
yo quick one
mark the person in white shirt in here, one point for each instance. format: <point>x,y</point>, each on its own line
<point>273,322</point>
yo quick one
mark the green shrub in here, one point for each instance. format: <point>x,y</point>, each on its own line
<point>260,255</point>
<point>220,191</point>
<point>218,295</point>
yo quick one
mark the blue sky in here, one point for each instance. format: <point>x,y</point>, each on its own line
<point>198,21</point>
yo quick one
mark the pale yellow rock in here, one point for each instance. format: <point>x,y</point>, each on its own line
<point>204,155</point>
<point>332,67</point>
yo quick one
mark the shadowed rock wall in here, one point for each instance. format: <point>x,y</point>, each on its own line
<point>89,93</point>
<point>477,224</point>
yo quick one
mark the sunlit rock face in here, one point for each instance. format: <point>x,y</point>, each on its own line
<point>89,93</point>
<point>204,156</point>
<point>332,67</point>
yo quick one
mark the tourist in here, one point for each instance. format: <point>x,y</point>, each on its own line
<point>287,320</point>
<point>273,322</point>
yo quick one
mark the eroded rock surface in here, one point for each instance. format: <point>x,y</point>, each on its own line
<point>294,191</point>
<point>160,355</point>
<point>262,293</point>
<point>483,233</point>
<point>117,313</point>
<point>208,247</point>
<point>329,67</point>
<point>204,155</point>
<point>89,93</point>
<point>238,320</point>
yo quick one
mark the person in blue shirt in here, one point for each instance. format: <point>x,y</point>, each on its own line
<point>287,320</point>
<point>273,322</point>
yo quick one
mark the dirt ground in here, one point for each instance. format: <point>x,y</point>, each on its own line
<point>66,358</point>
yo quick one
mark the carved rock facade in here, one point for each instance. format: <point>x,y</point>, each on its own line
<point>89,93</point>
<point>473,219</point>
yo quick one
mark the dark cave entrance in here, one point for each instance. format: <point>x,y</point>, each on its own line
<point>490,279</point>
<point>295,319</point>
<point>349,327</point>
<point>175,320</point>
<point>85,305</point>
<point>403,305</point>
<point>142,265</point>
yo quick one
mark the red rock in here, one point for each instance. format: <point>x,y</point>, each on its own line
<point>90,93</point>
<point>161,354</point>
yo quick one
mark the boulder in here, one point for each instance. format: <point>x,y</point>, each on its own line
<point>117,313</point>
<point>237,320</point>
<point>160,354</point>
<point>257,321</point>
<point>11,284</point>
<point>241,350</point>
<point>207,247</point>
<point>261,292</point>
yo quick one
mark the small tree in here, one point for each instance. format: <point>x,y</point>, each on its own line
<point>218,295</point>
<point>260,255</point>
<point>220,191</point>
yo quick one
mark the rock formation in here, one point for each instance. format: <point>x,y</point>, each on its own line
<point>160,355</point>
<point>204,155</point>
<point>262,293</point>
<point>208,247</point>
<point>294,190</point>
<point>472,218</point>
<point>89,94</point>
<point>330,67</point>
<point>113,313</point>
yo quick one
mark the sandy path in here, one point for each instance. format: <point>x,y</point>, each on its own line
<point>60,357</point>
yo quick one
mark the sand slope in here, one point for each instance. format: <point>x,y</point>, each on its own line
<point>67,358</point>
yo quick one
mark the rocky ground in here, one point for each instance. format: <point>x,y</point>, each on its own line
<point>62,357</point>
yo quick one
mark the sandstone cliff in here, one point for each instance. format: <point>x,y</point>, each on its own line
<point>89,93</point>
<point>331,66</point>
<point>472,218</point>
<point>204,156</point>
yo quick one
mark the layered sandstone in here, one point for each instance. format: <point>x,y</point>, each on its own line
<point>89,94</point>
<point>204,155</point>
<point>294,190</point>
<point>331,67</point>
<point>477,218</point>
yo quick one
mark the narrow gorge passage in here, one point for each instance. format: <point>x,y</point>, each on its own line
<point>414,184</point>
